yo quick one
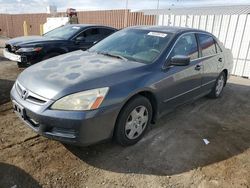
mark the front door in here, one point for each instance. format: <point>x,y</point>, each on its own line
<point>87,38</point>
<point>182,83</point>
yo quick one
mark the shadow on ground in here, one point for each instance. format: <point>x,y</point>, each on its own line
<point>2,58</point>
<point>12,176</point>
<point>5,87</point>
<point>175,144</point>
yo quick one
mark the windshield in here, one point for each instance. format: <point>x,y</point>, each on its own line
<point>65,32</point>
<point>133,44</point>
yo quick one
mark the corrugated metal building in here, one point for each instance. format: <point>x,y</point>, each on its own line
<point>231,24</point>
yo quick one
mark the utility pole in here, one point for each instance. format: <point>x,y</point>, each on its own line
<point>126,15</point>
<point>157,11</point>
<point>126,4</point>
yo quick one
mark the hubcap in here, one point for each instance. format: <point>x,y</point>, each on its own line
<point>136,122</point>
<point>219,85</point>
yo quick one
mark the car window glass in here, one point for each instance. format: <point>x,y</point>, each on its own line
<point>105,32</point>
<point>187,46</point>
<point>64,32</point>
<point>134,44</point>
<point>91,35</point>
<point>218,48</point>
<point>207,45</point>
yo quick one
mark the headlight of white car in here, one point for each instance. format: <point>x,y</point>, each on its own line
<point>35,49</point>
<point>86,100</point>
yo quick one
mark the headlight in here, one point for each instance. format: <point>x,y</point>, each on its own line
<point>86,100</point>
<point>35,49</point>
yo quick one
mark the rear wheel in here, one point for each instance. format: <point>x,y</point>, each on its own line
<point>133,121</point>
<point>218,87</point>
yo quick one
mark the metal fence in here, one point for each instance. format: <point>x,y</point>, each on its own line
<point>12,25</point>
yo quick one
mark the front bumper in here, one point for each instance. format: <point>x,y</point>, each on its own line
<point>74,127</point>
<point>28,58</point>
<point>11,56</point>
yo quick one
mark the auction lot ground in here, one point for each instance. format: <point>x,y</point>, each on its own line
<point>172,153</point>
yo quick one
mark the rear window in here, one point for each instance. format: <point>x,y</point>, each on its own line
<point>207,45</point>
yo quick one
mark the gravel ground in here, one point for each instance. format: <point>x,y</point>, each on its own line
<point>172,153</point>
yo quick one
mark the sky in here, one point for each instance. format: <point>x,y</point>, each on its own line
<point>35,6</point>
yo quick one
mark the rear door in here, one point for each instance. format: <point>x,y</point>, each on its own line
<point>212,60</point>
<point>104,32</point>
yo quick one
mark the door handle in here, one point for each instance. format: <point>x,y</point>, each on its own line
<point>197,67</point>
<point>220,59</point>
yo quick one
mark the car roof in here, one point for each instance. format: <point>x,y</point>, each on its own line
<point>167,29</point>
<point>87,25</point>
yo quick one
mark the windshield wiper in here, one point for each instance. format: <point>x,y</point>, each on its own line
<point>113,55</point>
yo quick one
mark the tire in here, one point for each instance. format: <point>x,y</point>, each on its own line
<point>133,121</point>
<point>50,55</point>
<point>22,65</point>
<point>218,87</point>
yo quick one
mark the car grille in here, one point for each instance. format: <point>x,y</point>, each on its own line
<point>29,96</point>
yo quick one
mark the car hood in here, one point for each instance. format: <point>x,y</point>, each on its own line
<point>26,40</point>
<point>74,72</point>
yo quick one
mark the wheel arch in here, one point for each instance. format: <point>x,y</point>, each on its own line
<point>150,96</point>
<point>147,94</point>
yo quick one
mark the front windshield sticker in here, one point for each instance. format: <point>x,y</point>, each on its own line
<point>157,34</point>
<point>75,27</point>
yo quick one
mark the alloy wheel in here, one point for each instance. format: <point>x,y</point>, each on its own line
<point>219,85</point>
<point>136,122</point>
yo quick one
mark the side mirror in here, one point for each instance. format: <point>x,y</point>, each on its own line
<point>80,39</point>
<point>180,60</point>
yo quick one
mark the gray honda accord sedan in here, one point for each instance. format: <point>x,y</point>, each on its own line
<point>121,85</point>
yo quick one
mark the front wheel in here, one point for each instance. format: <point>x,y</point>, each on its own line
<point>218,87</point>
<point>133,121</point>
<point>22,65</point>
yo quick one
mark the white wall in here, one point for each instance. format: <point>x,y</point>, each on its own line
<point>232,30</point>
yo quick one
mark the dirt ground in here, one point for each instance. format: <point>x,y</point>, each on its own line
<point>172,153</point>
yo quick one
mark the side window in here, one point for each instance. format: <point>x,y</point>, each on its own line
<point>207,44</point>
<point>106,32</point>
<point>186,45</point>
<point>91,35</point>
